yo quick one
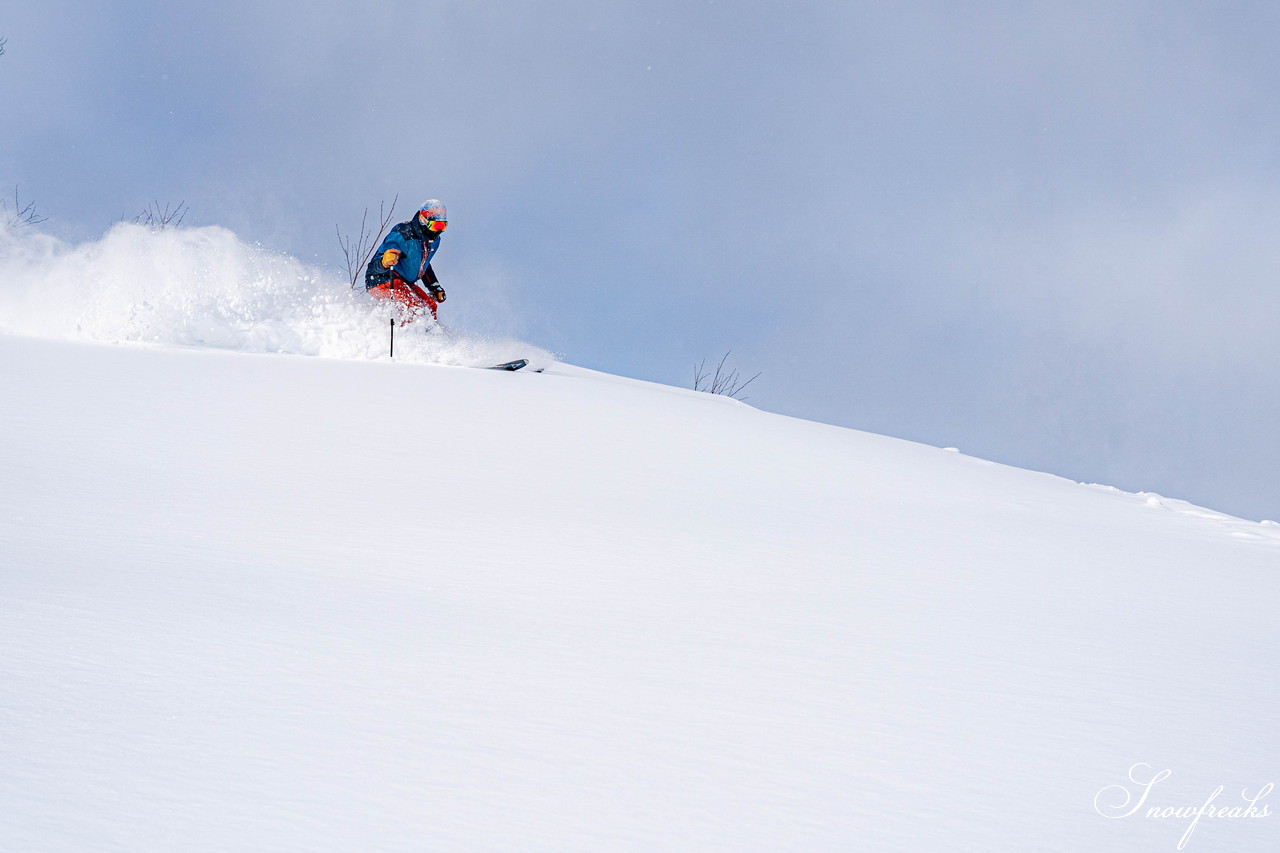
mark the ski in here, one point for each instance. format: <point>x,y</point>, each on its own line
<point>510,365</point>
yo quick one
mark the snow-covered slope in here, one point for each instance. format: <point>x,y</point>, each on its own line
<point>266,602</point>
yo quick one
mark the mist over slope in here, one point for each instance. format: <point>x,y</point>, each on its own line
<point>206,287</point>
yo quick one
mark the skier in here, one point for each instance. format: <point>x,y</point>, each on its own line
<point>404,259</point>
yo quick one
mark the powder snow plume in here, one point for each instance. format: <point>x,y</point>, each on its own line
<point>205,287</point>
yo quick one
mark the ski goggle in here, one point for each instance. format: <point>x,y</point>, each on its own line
<point>436,225</point>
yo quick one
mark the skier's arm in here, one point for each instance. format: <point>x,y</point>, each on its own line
<point>379,272</point>
<point>433,284</point>
<point>391,250</point>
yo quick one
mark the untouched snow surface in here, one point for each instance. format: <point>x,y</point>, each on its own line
<point>260,602</point>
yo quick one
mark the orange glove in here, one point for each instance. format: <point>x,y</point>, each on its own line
<point>389,258</point>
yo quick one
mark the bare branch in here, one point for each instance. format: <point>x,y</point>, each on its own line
<point>725,382</point>
<point>22,216</point>
<point>159,218</point>
<point>3,42</point>
<point>357,252</point>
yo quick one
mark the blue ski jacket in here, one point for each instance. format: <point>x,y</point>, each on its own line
<point>416,246</point>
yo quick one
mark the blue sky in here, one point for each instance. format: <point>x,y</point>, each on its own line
<point>1041,232</point>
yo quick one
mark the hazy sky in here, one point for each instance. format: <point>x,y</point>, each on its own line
<point>1043,232</point>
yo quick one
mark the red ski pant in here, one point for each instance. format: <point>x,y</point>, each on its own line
<point>414,301</point>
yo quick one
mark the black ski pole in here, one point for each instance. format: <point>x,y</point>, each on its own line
<point>393,334</point>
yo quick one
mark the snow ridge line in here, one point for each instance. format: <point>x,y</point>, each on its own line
<point>1265,532</point>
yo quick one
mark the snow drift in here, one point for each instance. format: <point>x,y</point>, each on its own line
<point>277,603</point>
<point>205,287</point>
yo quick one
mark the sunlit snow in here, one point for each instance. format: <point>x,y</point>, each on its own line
<point>255,601</point>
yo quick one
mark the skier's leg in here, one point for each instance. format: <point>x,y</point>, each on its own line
<point>411,301</point>
<point>423,300</point>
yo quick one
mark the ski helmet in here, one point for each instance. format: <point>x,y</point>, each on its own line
<point>433,215</point>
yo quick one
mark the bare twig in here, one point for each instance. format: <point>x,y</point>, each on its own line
<point>725,382</point>
<point>22,216</point>
<point>357,252</point>
<point>3,42</point>
<point>158,219</point>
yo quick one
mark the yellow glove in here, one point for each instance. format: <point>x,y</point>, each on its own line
<point>389,258</point>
